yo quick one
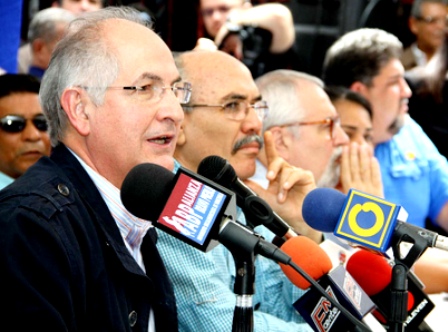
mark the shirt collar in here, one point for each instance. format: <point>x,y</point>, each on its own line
<point>132,229</point>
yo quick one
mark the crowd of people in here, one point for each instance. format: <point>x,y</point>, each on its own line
<point>97,92</point>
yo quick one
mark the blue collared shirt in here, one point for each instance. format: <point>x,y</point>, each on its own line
<point>203,285</point>
<point>414,173</point>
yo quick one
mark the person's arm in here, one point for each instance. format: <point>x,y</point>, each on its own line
<point>273,17</point>
<point>288,186</point>
<point>432,270</point>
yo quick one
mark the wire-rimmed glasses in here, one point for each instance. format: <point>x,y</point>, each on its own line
<point>237,109</point>
<point>155,90</point>
<point>330,122</point>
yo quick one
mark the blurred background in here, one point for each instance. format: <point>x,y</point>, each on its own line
<point>317,22</point>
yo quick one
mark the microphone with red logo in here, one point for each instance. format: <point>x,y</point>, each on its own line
<point>374,274</point>
<point>191,208</point>
<point>200,212</point>
<point>319,312</point>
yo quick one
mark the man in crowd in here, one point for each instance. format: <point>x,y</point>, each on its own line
<point>428,22</point>
<point>23,127</point>
<point>414,173</point>
<point>76,7</point>
<point>258,35</point>
<point>304,125</point>
<point>46,28</point>
<point>224,118</point>
<point>73,258</point>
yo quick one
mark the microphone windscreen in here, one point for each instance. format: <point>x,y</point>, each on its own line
<point>370,270</point>
<point>217,169</point>
<point>322,208</point>
<point>307,255</point>
<point>146,189</point>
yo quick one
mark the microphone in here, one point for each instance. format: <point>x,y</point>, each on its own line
<point>191,208</point>
<point>367,220</point>
<point>317,310</point>
<point>256,210</point>
<point>374,274</point>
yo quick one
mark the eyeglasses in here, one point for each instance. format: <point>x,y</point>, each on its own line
<point>155,90</point>
<point>17,123</point>
<point>207,12</point>
<point>433,20</point>
<point>238,109</point>
<point>329,122</point>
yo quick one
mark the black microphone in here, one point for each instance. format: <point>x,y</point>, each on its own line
<point>256,210</point>
<point>191,208</point>
<point>368,221</point>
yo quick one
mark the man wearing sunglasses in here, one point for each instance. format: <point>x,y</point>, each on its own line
<point>72,257</point>
<point>23,127</point>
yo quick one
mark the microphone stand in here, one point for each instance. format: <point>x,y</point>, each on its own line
<point>399,283</point>
<point>242,249</point>
<point>243,320</point>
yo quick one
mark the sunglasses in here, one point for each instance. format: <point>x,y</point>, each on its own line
<point>16,123</point>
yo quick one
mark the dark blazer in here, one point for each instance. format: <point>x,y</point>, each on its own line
<point>63,263</point>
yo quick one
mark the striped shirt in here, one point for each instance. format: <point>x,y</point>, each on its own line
<point>132,229</point>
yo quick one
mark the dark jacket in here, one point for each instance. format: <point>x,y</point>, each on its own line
<point>64,265</point>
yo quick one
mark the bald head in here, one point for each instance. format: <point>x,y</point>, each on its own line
<point>219,83</point>
<point>210,72</point>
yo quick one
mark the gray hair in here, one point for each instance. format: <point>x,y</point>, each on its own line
<point>44,23</point>
<point>416,9</point>
<point>359,55</point>
<point>82,58</point>
<point>279,89</point>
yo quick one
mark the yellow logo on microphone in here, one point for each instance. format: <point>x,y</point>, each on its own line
<point>367,220</point>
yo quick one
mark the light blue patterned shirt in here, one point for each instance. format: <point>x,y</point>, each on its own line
<point>203,285</point>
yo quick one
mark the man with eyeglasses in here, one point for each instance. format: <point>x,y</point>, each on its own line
<point>72,257</point>
<point>259,35</point>
<point>224,117</point>
<point>428,22</point>
<point>23,127</point>
<point>304,124</point>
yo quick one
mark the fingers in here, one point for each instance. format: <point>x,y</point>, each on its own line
<point>365,163</point>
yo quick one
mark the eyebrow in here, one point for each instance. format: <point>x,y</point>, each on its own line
<point>233,96</point>
<point>156,78</point>
<point>355,128</point>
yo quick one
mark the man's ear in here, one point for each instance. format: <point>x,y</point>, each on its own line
<point>358,87</point>
<point>182,139</point>
<point>281,142</point>
<point>75,108</point>
<point>412,24</point>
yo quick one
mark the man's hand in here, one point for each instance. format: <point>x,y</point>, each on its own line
<point>360,170</point>
<point>288,186</point>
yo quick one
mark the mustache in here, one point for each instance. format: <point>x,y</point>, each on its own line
<point>247,140</point>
